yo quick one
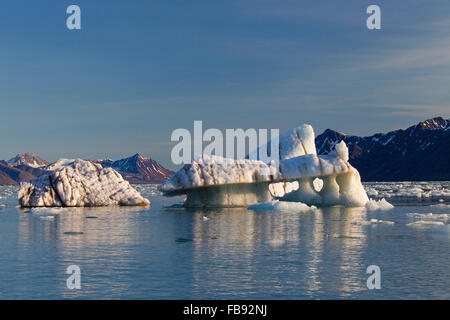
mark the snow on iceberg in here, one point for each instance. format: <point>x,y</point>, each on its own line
<point>292,143</point>
<point>220,182</point>
<point>79,184</point>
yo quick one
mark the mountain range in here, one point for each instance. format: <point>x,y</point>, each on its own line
<point>139,170</point>
<point>418,153</point>
<point>136,169</point>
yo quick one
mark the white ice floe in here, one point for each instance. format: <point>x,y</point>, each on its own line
<point>441,205</point>
<point>219,182</point>
<point>429,216</point>
<point>282,206</point>
<point>425,223</point>
<point>375,221</point>
<point>80,184</point>
<point>382,204</point>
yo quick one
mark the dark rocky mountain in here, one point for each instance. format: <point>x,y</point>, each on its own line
<point>5,179</point>
<point>139,170</point>
<point>11,176</point>
<point>420,152</point>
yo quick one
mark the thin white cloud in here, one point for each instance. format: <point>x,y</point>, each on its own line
<point>417,110</point>
<point>430,55</point>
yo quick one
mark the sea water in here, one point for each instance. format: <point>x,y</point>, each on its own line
<point>168,252</point>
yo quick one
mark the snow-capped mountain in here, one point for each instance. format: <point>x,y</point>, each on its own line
<point>27,159</point>
<point>137,169</point>
<point>420,152</point>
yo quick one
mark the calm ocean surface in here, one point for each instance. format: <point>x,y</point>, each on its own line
<point>174,253</point>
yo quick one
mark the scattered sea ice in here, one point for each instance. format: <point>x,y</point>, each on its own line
<point>382,204</point>
<point>429,216</point>
<point>440,205</point>
<point>375,221</point>
<point>425,223</point>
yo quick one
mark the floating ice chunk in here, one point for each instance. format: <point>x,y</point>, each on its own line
<point>429,216</point>
<point>410,192</point>
<point>382,204</point>
<point>376,221</point>
<point>282,206</point>
<point>371,192</point>
<point>220,182</point>
<point>231,183</point>
<point>425,223</point>
<point>81,184</point>
<point>441,205</point>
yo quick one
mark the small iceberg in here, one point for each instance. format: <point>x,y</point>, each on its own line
<point>299,175</point>
<point>282,206</point>
<point>425,223</point>
<point>80,184</point>
<point>375,222</point>
<point>382,204</point>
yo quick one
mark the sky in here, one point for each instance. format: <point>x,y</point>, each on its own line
<point>137,70</point>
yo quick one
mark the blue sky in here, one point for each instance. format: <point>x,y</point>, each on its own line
<point>140,69</point>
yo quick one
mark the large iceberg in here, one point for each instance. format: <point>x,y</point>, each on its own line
<point>219,182</point>
<point>79,184</point>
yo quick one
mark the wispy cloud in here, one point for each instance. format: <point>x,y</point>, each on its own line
<point>417,110</point>
<point>427,55</point>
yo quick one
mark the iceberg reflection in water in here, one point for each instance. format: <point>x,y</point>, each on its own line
<point>165,251</point>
